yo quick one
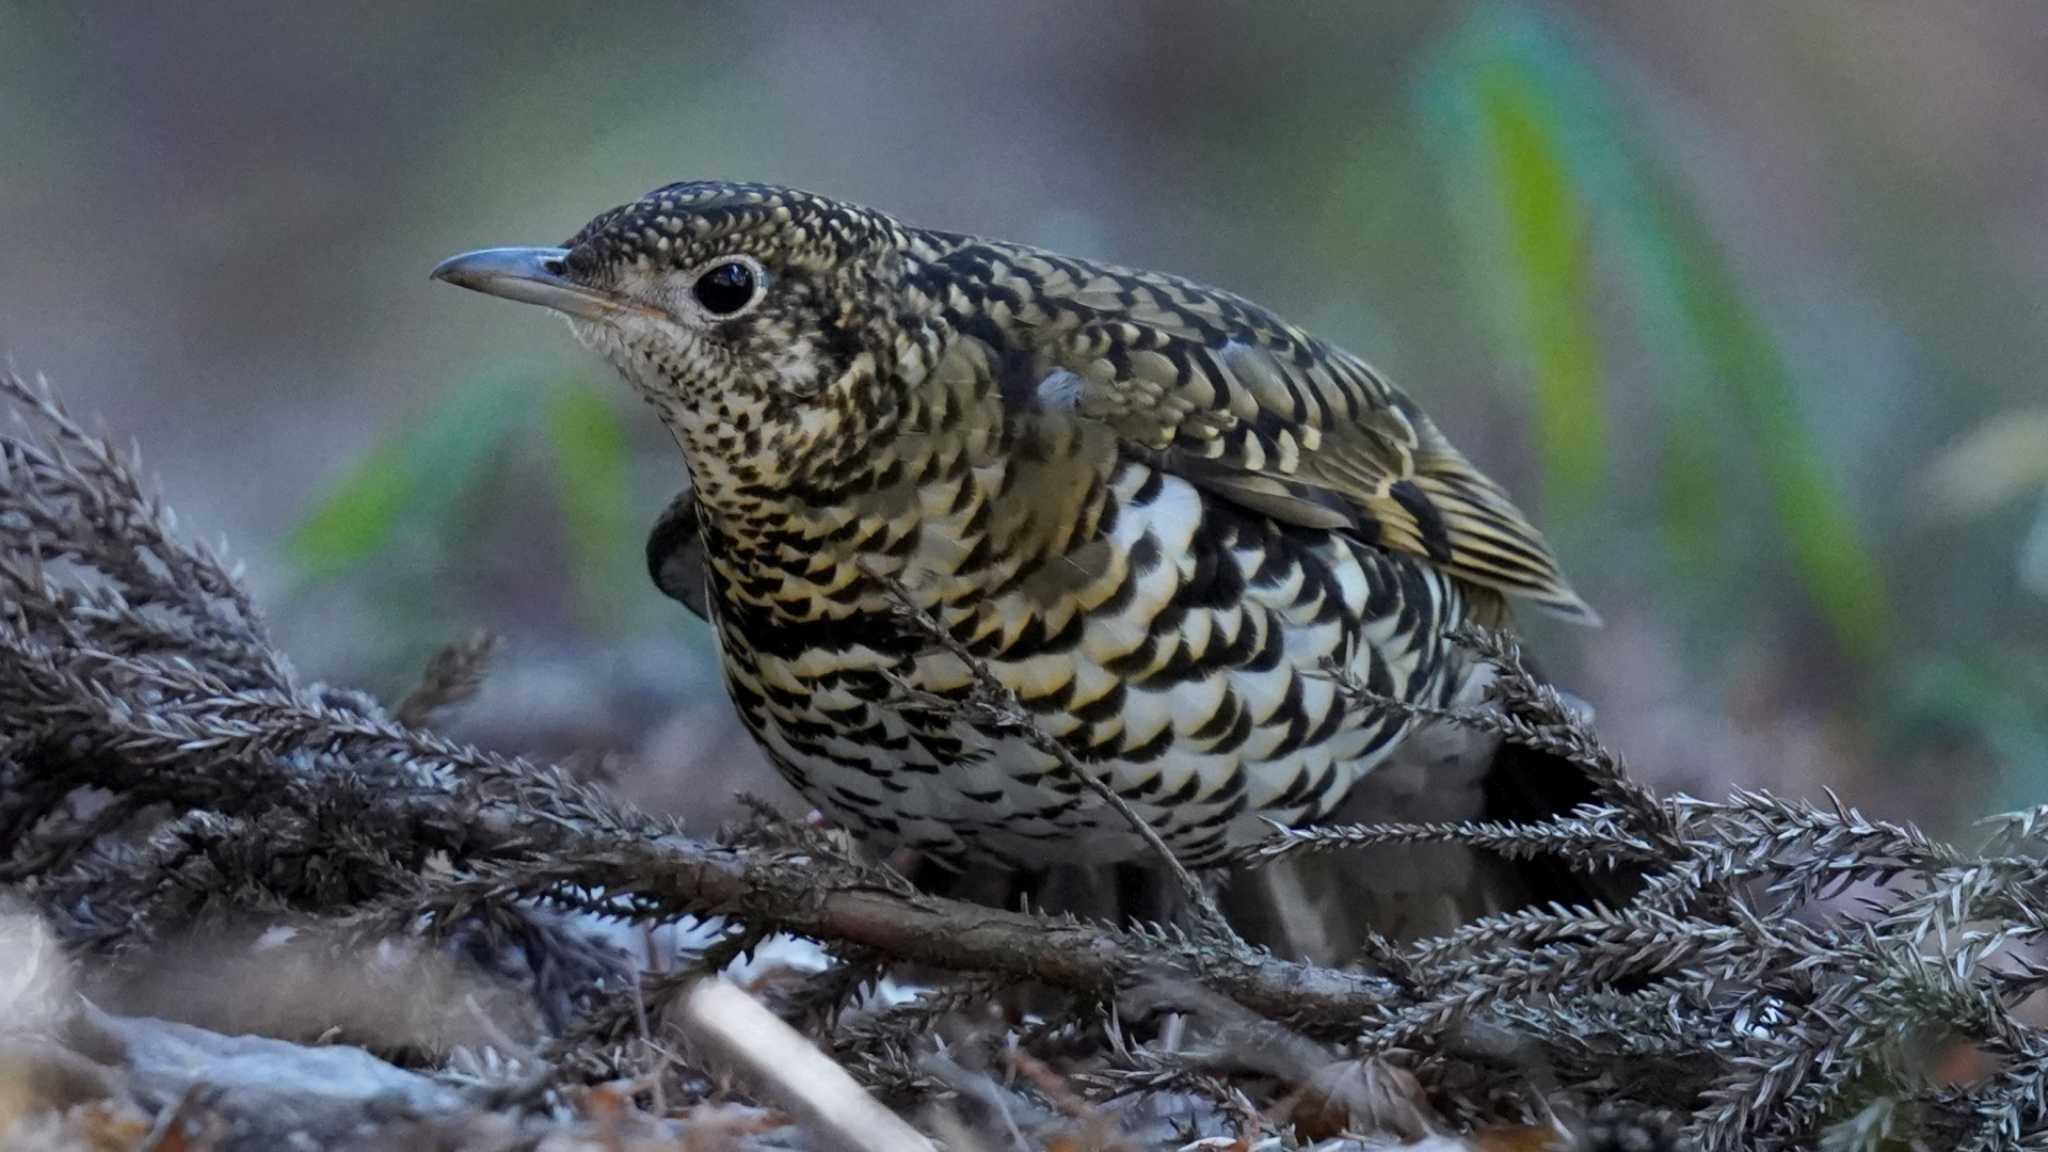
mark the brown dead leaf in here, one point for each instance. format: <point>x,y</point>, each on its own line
<point>111,1125</point>
<point>608,1100</point>
<point>1520,1138</point>
<point>1962,1063</point>
<point>1362,1097</point>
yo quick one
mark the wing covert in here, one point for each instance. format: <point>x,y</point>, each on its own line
<point>1261,413</point>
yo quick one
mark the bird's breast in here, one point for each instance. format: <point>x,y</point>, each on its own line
<point>1181,648</point>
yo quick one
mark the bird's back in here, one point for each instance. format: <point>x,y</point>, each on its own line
<point>1231,397</point>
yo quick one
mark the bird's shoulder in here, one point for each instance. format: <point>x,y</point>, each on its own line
<point>1221,391</point>
<point>676,554</point>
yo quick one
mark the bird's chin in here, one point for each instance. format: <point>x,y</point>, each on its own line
<point>591,334</point>
<point>601,337</point>
<point>617,337</point>
<point>625,341</point>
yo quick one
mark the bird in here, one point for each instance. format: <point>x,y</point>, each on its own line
<point>1171,525</point>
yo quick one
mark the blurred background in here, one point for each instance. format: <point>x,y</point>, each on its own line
<point>1747,305</point>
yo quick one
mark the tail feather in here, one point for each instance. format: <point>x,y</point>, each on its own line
<point>1321,907</point>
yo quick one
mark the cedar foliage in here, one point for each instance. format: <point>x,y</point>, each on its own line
<point>1790,974</point>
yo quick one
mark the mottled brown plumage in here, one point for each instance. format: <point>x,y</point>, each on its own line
<point>1156,510</point>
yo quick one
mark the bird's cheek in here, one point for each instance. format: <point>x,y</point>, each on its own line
<point>799,371</point>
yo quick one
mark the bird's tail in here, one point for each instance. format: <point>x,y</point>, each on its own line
<point>1321,907</point>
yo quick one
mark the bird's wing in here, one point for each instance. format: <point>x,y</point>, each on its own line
<point>675,554</point>
<point>1257,411</point>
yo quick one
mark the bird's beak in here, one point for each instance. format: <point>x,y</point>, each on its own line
<point>532,276</point>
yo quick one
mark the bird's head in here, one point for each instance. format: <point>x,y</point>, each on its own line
<point>757,320</point>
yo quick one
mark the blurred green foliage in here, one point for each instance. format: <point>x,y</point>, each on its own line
<point>1552,186</point>
<point>411,510</point>
<point>2000,706</point>
<point>590,454</point>
<point>1549,282</point>
<point>416,481</point>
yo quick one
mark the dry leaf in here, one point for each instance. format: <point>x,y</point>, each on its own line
<point>1363,1097</point>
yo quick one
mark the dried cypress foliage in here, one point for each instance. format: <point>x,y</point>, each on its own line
<point>1791,975</point>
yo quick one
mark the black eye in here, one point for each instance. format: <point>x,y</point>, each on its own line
<point>725,288</point>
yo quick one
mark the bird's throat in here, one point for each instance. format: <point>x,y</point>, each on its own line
<point>949,515</point>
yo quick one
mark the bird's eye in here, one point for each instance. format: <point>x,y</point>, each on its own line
<point>725,287</point>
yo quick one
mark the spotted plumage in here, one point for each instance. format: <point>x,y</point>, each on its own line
<point>1157,512</point>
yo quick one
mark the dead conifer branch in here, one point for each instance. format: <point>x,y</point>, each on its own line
<point>162,771</point>
<point>451,677</point>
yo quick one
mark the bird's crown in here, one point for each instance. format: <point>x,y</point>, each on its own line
<point>681,225</point>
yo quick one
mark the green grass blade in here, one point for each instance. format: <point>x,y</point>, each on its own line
<point>591,464</point>
<point>1543,171</point>
<point>354,520</point>
<point>1549,284</point>
<point>414,483</point>
<point>1821,536</point>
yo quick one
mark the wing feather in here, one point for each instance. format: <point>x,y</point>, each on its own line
<point>1262,414</point>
